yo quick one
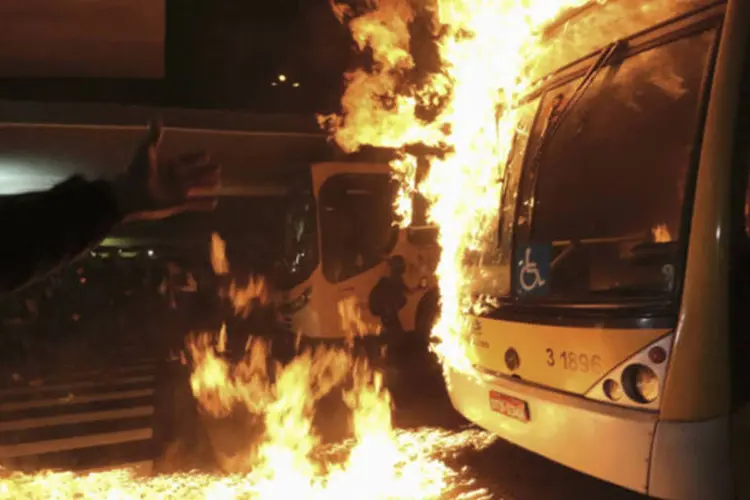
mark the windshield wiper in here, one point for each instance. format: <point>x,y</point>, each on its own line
<point>601,62</point>
<point>569,245</point>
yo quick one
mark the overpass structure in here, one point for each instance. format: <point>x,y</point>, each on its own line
<point>44,143</point>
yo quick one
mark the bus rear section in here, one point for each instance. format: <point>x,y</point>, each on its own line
<point>340,245</point>
<point>606,349</point>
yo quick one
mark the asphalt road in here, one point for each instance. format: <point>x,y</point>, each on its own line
<point>506,471</point>
<point>81,414</point>
<point>126,406</point>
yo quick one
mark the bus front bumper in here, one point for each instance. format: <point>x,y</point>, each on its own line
<point>605,441</point>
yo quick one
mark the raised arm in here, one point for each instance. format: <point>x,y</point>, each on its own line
<point>43,230</point>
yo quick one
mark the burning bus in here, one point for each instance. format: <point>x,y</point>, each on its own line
<point>594,167</point>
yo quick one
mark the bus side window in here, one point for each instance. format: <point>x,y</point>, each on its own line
<point>357,229</point>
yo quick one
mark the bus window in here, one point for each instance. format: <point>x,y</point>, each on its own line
<point>494,279</point>
<point>300,244</point>
<point>509,202</point>
<point>610,184</point>
<point>357,229</point>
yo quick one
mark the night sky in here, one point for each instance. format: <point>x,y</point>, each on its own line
<point>224,54</point>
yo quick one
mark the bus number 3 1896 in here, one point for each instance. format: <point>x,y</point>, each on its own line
<point>574,361</point>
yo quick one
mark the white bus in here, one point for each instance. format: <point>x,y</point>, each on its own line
<point>340,241</point>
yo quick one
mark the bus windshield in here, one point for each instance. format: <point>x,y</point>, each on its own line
<point>357,223</point>
<point>300,233</point>
<point>605,196</point>
<point>300,242</point>
<point>356,228</point>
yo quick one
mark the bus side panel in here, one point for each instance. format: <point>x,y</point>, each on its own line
<point>740,280</point>
<point>357,288</point>
<point>741,451</point>
<point>698,378</point>
<point>692,460</point>
<point>306,321</point>
<point>322,317</point>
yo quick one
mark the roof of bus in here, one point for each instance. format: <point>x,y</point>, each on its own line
<point>581,31</point>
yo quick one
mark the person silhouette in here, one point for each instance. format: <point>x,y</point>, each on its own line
<point>51,228</point>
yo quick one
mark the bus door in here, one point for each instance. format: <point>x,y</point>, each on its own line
<point>357,234</point>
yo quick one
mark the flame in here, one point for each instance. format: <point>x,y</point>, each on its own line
<point>423,475</point>
<point>218,386</point>
<point>661,234</point>
<point>219,260</point>
<point>351,320</point>
<point>242,297</point>
<point>484,47</point>
<point>289,461</point>
<point>405,172</point>
<point>492,53</point>
<point>221,345</point>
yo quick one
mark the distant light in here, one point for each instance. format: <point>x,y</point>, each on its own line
<point>274,84</point>
<point>295,84</point>
<point>26,175</point>
<point>150,253</point>
<point>282,78</point>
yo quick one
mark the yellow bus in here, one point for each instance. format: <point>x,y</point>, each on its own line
<point>619,338</point>
<point>340,240</point>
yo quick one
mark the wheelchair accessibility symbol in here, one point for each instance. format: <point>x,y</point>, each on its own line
<point>532,269</point>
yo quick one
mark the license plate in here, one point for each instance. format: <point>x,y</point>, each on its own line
<point>509,406</point>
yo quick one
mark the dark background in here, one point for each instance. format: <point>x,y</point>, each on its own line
<point>223,54</point>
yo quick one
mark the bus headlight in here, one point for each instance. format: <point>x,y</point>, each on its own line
<point>612,389</point>
<point>641,384</point>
